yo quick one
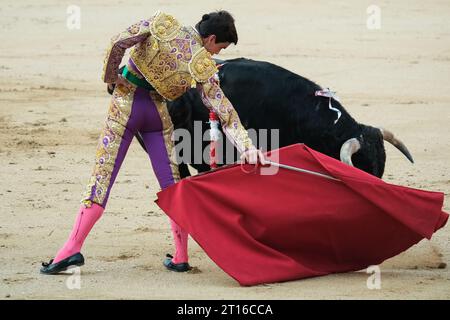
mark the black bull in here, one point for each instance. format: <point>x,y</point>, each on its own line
<point>267,96</point>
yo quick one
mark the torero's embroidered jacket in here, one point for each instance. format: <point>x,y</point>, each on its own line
<point>172,59</point>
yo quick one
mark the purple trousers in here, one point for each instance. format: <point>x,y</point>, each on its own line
<point>132,110</point>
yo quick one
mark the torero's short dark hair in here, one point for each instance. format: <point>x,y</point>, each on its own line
<point>220,24</point>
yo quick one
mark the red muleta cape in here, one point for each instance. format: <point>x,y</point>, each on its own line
<point>292,225</point>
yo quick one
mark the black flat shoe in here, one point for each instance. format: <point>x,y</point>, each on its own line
<point>177,267</point>
<point>53,268</point>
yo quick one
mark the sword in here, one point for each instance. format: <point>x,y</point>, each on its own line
<point>284,166</point>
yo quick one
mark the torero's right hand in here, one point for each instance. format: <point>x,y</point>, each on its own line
<point>253,156</point>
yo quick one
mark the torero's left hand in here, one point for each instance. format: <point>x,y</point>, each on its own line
<point>253,156</point>
<point>111,86</point>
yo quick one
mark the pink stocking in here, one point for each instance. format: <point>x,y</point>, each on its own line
<point>86,219</point>
<point>181,243</point>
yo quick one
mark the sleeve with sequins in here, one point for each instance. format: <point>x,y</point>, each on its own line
<point>119,43</point>
<point>214,98</point>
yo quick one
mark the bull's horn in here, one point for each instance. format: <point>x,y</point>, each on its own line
<point>349,148</point>
<point>389,137</point>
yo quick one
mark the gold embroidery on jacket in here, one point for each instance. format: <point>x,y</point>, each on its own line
<point>165,64</point>
<point>119,43</point>
<point>164,27</point>
<point>202,66</point>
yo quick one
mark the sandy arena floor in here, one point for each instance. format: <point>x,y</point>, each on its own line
<point>53,103</point>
